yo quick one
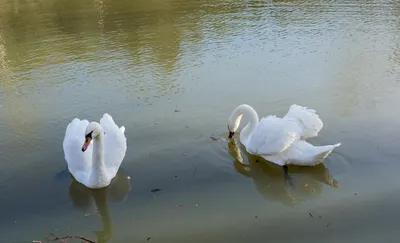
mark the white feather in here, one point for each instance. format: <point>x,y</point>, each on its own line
<point>272,135</point>
<point>114,144</point>
<point>307,118</point>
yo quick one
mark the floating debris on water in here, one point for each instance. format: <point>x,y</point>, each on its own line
<point>93,213</point>
<point>52,237</point>
<point>155,190</point>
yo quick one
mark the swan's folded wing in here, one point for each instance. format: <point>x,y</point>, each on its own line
<point>114,144</point>
<point>307,118</point>
<point>272,135</point>
<point>78,162</point>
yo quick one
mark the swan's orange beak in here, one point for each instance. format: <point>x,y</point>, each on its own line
<point>86,144</point>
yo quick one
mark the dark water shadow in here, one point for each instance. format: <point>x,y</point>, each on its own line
<point>273,185</point>
<point>84,198</point>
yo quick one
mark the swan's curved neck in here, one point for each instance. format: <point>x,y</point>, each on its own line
<point>247,111</point>
<point>98,174</point>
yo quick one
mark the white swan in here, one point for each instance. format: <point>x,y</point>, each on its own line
<point>281,140</point>
<point>94,164</point>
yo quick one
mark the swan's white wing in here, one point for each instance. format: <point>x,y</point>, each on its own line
<point>272,135</point>
<point>114,144</point>
<point>307,118</point>
<point>302,153</point>
<point>79,163</point>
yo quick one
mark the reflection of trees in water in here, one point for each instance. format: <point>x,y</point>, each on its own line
<point>5,71</point>
<point>152,38</point>
<point>11,93</point>
<point>69,31</point>
<point>84,199</point>
<point>271,183</point>
<point>100,14</point>
<point>152,30</point>
<point>143,42</point>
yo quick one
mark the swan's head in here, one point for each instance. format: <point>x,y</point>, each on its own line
<point>236,116</point>
<point>92,130</point>
<point>234,122</point>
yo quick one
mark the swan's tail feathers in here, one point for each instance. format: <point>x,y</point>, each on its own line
<point>307,118</point>
<point>324,152</point>
<point>122,129</point>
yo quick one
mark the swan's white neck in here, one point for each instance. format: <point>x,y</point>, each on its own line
<point>253,121</point>
<point>98,175</point>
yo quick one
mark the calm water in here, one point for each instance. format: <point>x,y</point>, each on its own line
<point>171,71</point>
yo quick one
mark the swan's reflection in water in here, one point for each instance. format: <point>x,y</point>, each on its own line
<point>271,182</point>
<point>88,200</point>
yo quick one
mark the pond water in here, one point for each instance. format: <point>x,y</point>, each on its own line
<point>171,72</point>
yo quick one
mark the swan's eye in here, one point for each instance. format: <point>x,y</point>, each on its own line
<point>89,135</point>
